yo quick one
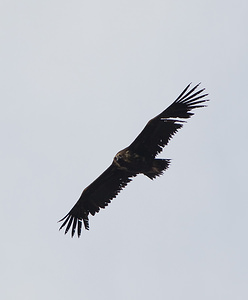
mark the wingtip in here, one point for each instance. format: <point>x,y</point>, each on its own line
<point>196,86</point>
<point>62,219</point>
<point>73,223</point>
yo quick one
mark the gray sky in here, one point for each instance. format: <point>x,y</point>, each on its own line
<point>79,80</point>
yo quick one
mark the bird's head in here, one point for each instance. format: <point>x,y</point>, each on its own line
<point>119,157</point>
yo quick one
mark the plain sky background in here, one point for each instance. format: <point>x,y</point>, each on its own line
<point>79,80</point>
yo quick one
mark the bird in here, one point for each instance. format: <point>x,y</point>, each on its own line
<point>138,158</point>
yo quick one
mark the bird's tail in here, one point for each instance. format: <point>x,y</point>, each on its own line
<point>158,167</point>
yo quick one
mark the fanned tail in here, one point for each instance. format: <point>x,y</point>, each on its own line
<point>158,168</point>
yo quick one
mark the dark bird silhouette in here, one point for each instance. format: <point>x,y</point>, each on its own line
<point>137,158</point>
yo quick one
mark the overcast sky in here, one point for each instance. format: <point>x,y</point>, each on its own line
<point>79,80</point>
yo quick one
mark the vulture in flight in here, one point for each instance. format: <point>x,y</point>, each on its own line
<point>138,158</point>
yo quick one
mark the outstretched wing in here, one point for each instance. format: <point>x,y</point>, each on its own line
<point>159,130</point>
<point>97,195</point>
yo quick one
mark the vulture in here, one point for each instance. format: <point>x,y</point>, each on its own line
<point>138,158</point>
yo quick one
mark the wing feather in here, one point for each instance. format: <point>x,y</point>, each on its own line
<point>159,130</point>
<point>97,195</point>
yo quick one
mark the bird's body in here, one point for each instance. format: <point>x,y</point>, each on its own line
<point>135,163</point>
<point>138,158</point>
